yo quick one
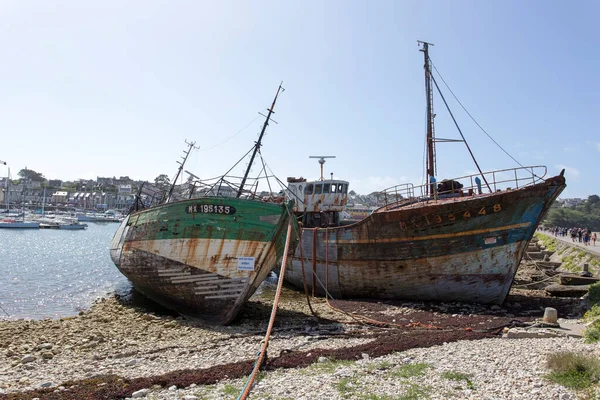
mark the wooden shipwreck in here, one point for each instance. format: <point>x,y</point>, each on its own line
<point>203,256</point>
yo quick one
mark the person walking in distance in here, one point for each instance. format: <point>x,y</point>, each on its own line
<point>594,238</point>
<point>586,237</point>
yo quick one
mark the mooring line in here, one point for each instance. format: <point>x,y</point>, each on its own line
<point>265,343</point>
<point>1,308</point>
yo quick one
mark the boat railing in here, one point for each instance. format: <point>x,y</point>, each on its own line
<point>228,186</point>
<point>468,185</point>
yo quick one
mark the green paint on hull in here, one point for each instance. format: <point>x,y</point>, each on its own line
<point>252,220</point>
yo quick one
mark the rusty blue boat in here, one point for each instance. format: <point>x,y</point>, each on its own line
<point>460,239</point>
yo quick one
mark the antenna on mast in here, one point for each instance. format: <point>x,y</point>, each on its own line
<point>322,162</point>
<point>192,145</point>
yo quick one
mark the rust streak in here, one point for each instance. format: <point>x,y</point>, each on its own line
<point>440,236</point>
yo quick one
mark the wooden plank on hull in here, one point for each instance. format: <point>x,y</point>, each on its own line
<point>207,289</point>
<point>233,285</point>
<point>218,291</point>
<point>174,274</point>
<point>194,278</point>
<point>207,276</point>
<point>185,279</point>
<point>219,281</point>
<point>229,296</point>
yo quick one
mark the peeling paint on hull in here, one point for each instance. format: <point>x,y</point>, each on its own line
<point>190,261</point>
<point>456,249</point>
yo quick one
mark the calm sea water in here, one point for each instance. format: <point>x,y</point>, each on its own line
<point>48,273</point>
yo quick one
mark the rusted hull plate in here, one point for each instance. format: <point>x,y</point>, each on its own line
<point>459,249</point>
<point>461,277</point>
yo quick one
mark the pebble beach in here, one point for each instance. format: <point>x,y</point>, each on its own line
<point>447,351</point>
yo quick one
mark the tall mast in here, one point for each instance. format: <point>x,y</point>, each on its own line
<point>6,191</point>
<point>431,168</point>
<point>258,142</point>
<point>191,145</point>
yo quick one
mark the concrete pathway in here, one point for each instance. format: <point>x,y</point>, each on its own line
<point>567,239</point>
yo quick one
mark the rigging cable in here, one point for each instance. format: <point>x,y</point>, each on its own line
<point>265,170</point>
<point>472,118</point>
<point>234,135</point>
<point>234,165</point>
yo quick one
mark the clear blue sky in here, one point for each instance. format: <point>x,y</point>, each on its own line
<point>113,88</point>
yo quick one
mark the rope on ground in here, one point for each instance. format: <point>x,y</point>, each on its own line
<point>548,277</point>
<point>536,265</point>
<point>324,287</point>
<point>361,318</point>
<point>265,343</point>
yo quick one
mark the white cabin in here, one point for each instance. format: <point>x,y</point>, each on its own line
<point>317,196</point>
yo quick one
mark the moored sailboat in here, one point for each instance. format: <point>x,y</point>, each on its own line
<point>456,240</point>
<point>205,256</point>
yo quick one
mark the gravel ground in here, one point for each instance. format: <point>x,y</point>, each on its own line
<point>483,369</point>
<point>120,350</point>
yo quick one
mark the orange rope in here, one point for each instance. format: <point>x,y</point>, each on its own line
<point>265,344</point>
<point>303,277</point>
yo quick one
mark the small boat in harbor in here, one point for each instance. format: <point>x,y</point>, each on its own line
<point>72,225</point>
<point>455,240</point>
<point>14,220</point>
<point>108,216</point>
<point>203,256</point>
<point>12,223</point>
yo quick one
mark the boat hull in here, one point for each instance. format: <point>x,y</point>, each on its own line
<point>455,249</point>
<point>201,264</point>
<point>19,225</point>
<point>72,227</point>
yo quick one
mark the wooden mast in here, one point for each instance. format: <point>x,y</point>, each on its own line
<point>258,142</point>
<point>431,168</point>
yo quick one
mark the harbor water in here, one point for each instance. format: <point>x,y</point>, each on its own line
<point>54,273</point>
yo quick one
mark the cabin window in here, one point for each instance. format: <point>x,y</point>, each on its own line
<point>300,189</point>
<point>326,188</point>
<point>345,188</point>
<point>340,188</point>
<point>308,189</point>
<point>318,189</point>
<point>333,188</point>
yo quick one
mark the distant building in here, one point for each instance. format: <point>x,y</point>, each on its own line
<point>55,183</point>
<point>26,193</point>
<point>572,202</point>
<point>105,181</point>
<point>125,189</point>
<point>59,197</point>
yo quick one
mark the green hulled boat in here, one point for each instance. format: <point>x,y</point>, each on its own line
<point>204,257</point>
